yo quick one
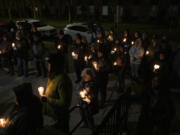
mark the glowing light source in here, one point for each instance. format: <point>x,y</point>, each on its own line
<point>156,67</point>
<point>41,91</point>
<point>59,47</point>
<point>3,122</point>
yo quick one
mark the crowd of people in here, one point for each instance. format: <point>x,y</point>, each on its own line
<point>145,59</point>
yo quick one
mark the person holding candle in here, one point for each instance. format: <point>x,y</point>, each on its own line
<point>88,99</point>
<point>21,52</point>
<point>26,117</point>
<point>102,76</point>
<point>58,95</point>
<point>79,63</point>
<point>136,54</point>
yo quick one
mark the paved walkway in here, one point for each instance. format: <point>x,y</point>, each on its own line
<point>6,99</point>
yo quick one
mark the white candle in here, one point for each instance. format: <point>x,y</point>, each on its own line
<point>41,91</point>
<point>95,65</point>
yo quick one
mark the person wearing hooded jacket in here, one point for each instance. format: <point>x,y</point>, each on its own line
<point>58,95</point>
<point>26,118</point>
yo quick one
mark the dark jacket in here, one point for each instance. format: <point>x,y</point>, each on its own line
<point>26,119</point>
<point>90,108</point>
<point>38,49</point>
<point>21,48</point>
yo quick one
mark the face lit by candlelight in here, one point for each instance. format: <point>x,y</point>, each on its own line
<point>41,91</point>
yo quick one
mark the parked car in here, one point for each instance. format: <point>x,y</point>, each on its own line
<point>44,29</point>
<point>80,28</point>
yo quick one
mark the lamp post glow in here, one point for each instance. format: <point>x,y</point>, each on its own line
<point>3,123</point>
<point>59,47</point>
<point>156,67</point>
<point>41,91</point>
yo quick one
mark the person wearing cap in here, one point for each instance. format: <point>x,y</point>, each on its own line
<point>26,117</point>
<point>89,102</point>
<point>21,53</point>
<point>58,96</point>
<point>136,54</point>
<point>38,53</point>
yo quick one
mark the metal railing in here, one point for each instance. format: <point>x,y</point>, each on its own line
<point>115,122</point>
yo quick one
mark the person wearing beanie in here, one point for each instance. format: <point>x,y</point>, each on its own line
<point>58,96</point>
<point>26,118</point>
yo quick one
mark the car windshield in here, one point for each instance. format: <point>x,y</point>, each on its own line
<point>38,24</point>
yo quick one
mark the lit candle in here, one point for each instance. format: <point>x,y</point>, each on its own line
<point>14,46</point>
<point>59,47</point>
<point>124,40</point>
<point>90,56</point>
<point>95,65</point>
<point>41,91</point>
<point>84,95</point>
<point>0,52</point>
<point>110,38</point>
<point>74,55</point>
<point>147,52</point>
<point>3,122</point>
<point>98,41</point>
<point>86,58</point>
<point>156,67</point>
<point>132,43</point>
<point>115,63</point>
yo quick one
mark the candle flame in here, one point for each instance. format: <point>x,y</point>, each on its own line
<point>95,65</point>
<point>41,91</point>
<point>3,122</point>
<point>156,67</point>
<point>132,42</point>
<point>147,52</point>
<point>124,40</point>
<point>115,63</point>
<point>59,47</point>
